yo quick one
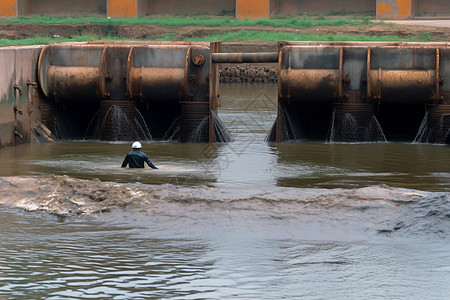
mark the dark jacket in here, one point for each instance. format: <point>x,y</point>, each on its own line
<point>136,159</point>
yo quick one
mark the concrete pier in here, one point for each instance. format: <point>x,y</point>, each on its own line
<point>20,98</point>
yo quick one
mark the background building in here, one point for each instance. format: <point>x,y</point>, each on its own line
<point>251,9</point>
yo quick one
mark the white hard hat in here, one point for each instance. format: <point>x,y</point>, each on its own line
<point>136,145</point>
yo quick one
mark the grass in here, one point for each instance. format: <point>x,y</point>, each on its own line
<point>292,22</point>
<point>247,35</point>
<point>44,40</point>
<point>273,37</point>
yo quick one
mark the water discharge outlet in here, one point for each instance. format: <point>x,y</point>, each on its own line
<point>333,91</point>
<point>129,91</point>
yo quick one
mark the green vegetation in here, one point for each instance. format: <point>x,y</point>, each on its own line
<point>259,34</point>
<point>292,22</point>
<point>425,36</point>
<point>43,40</point>
<point>274,36</point>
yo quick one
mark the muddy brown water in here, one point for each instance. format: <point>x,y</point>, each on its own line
<point>245,220</point>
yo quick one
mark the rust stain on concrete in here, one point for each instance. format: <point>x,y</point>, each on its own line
<point>8,8</point>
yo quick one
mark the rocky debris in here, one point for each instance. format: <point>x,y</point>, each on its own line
<point>41,134</point>
<point>247,74</point>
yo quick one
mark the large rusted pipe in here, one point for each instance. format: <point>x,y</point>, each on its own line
<point>260,57</point>
<point>158,83</point>
<point>310,73</point>
<point>76,83</point>
<point>309,85</point>
<point>402,85</point>
<point>157,75</point>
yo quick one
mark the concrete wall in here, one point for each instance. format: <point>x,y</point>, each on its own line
<point>62,7</point>
<point>19,110</point>
<point>431,8</point>
<point>327,7</point>
<point>383,9</point>
<point>186,7</point>
<point>120,8</point>
<point>394,9</point>
<point>252,9</point>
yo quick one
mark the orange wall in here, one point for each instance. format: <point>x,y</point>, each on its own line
<point>252,9</point>
<point>123,8</point>
<point>8,8</point>
<point>394,9</point>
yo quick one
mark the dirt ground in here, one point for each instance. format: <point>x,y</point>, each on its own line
<point>19,31</point>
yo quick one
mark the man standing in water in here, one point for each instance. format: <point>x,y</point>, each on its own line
<point>136,158</point>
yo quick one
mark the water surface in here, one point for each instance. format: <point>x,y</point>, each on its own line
<point>246,219</point>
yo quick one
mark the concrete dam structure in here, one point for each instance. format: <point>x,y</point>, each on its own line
<point>337,92</point>
<point>122,90</point>
<point>352,92</point>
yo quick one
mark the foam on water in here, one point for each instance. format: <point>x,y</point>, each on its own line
<point>380,209</point>
<point>134,240</point>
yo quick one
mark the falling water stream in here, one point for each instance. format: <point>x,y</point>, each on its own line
<point>245,219</point>
<point>115,125</point>
<point>436,133</point>
<point>348,130</point>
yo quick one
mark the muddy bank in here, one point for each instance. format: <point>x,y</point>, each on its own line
<point>148,31</point>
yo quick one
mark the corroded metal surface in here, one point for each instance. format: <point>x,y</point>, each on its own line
<point>374,72</point>
<point>308,72</point>
<point>154,71</point>
<point>128,72</point>
<point>159,73</point>
<point>358,73</point>
<point>260,57</point>
<point>78,83</point>
<point>405,86</point>
<point>162,83</point>
<point>310,85</point>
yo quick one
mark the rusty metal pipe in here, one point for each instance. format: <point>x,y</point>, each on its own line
<point>409,86</point>
<point>309,85</point>
<point>260,57</point>
<point>158,83</point>
<point>75,83</point>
